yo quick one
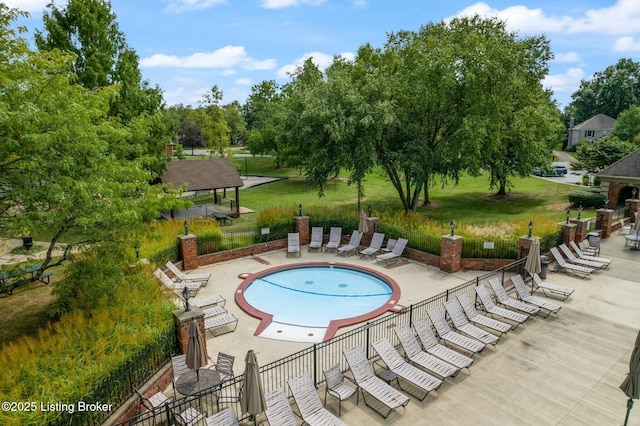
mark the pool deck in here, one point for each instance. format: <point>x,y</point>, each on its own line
<point>561,370</point>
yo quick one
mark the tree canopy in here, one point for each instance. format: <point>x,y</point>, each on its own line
<point>601,153</point>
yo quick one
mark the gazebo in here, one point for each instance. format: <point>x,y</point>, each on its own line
<point>619,180</point>
<point>206,175</point>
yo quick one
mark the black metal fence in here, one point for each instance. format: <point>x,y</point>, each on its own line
<point>215,241</point>
<point>319,357</point>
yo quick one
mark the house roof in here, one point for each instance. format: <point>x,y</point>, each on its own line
<point>597,122</point>
<point>200,175</point>
<point>627,167</point>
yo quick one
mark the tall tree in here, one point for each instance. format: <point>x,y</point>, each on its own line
<point>235,121</point>
<point>601,153</point>
<point>264,114</point>
<point>609,92</point>
<point>60,174</point>
<point>627,126</point>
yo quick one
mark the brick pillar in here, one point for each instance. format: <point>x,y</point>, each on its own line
<point>372,225</point>
<point>181,319</point>
<point>524,245</point>
<point>302,227</point>
<point>451,253</point>
<point>634,207</point>
<point>603,222</point>
<point>568,232</point>
<point>189,251</point>
<point>582,228</point>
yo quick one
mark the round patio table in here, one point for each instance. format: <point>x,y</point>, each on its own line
<point>189,384</point>
<point>634,239</point>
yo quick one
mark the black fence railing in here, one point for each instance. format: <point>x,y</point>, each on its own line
<point>499,249</point>
<point>319,357</point>
<point>215,242</point>
<point>417,240</point>
<point>171,253</point>
<point>118,386</point>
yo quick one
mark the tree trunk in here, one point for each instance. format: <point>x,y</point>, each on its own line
<point>427,200</point>
<point>502,190</point>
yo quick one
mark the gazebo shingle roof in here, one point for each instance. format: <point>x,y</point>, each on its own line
<point>200,175</point>
<point>628,167</point>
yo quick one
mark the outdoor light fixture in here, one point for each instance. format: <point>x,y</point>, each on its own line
<point>137,249</point>
<point>579,210</point>
<point>300,209</point>
<point>568,214</point>
<point>633,193</point>
<point>452,224</point>
<point>530,227</point>
<point>186,228</point>
<point>606,202</point>
<point>369,210</point>
<point>186,293</point>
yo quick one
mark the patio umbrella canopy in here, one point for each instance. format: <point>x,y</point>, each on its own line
<point>631,386</point>
<point>362,225</point>
<point>196,356</point>
<point>252,397</point>
<point>532,264</point>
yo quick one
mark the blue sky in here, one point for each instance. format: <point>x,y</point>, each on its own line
<point>187,46</point>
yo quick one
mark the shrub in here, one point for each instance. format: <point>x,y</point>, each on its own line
<point>586,198</point>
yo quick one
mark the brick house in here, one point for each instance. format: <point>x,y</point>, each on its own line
<point>620,179</point>
<point>589,130</point>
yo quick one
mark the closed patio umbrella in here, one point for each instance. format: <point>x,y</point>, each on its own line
<point>532,264</point>
<point>196,356</point>
<point>631,384</point>
<point>362,225</point>
<point>252,397</point>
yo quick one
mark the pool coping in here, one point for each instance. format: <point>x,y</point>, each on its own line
<point>333,326</point>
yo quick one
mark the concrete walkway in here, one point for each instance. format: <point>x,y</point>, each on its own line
<point>561,370</point>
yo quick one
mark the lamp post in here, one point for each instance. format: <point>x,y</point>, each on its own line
<point>579,210</point>
<point>137,249</point>
<point>530,228</point>
<point>186,293</point>
<point>369,208</point>
<point>452,225</point>
<point>633,193</point>
<point>568,214</point>
<point>300,209</point>
<point>606,202</point>
<point>186,228</point>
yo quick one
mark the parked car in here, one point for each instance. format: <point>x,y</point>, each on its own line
<point>560,170</point>
<point>549,170</point>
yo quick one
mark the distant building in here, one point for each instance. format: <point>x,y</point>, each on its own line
<point>589,130</point>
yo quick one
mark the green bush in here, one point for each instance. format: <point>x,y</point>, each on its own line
<point>586,198</point>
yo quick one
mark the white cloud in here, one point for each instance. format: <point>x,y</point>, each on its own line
<point>225,57</point>
<point>179,6</point>
<point>567,58</point>
<point>281,4</point>
<point>243,81</point>
<point>626,44</point>
<point>567,82</point>
<point>621,18</point>
<point>27,5</point>
<point>322,61</point>
<point>228,72</point>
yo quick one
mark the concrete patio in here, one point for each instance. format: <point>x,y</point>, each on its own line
<point>561,370</point>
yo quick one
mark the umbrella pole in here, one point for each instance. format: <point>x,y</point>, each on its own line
<point>629,407</point>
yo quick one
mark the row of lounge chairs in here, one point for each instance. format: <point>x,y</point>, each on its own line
<point>577,261</point>
<point>392,251</point>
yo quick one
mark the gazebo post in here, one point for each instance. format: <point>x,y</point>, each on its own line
<point>237,212</point>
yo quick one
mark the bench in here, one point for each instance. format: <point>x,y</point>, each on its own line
<point>223,218</point>
<point>7,288</point>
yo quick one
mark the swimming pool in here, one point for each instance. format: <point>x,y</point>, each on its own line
<point>324,296</point>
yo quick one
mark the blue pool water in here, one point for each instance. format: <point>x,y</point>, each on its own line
<point>314,296</point>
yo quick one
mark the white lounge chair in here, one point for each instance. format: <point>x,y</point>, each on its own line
<point>585,256</point>
<point>475,317</point>
<point>557,290</point>
<point>573,259</point>
<point>202,277</point>
<point>570,267</point>
<point>389,246</point>
<point>449,336</point>
<point>278,411</point>
<point>316,238</point>
<point>505,300</point>
<point>395,253</point>
<point>336,386</point>
<point>335,238</point>
<point>493,310</point>
<point>525,296</point>
<point>226,417</point>
<point>625,228</point>
<point>375,245</point>
<point>421,358</point>
<point>177,287</point>
<point>221,324</point>
<point>369,383</point>
<point>293,244</point>
<point>431,345</point>
<point>462,324</point>
<point>213,311</point>
<point>210,301</point>
<point>311,409</point>
<point>395,363</point>
<point>154,402</point>
<point>351,247</point>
